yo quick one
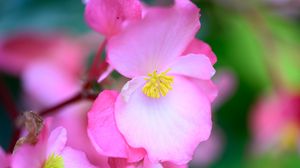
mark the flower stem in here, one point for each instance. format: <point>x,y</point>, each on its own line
<point>98,66</point>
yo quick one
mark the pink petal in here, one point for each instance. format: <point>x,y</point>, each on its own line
<point>267,121</point>
<point>122,163</point>
<point>208,151</point>
<point>197,46</point>
<point>18,51</point>
<point>108,16</point>
<point>29,156</point>
<point>193,65</point>
<point>171,165</point>
<point>207,87</point>
<point>131,86</point>
<point>75,159</point>
<point>148,164</point>
<point>164,126</point>
<point>105,74</point>
<point>153,43</point>
<point>57,141</point>
<point>103,131</point>
<point>46,82</point>
<point>4,159</point>
<point>74,119</point>
<point>226,81</point>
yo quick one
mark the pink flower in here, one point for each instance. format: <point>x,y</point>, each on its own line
<point>108,17</point>
<point>50,151</point>
<point>21,50</point>
<point>161,109</point>
<point>42,59</point>
<point>275,122</point>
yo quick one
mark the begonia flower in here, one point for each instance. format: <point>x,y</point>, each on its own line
<point>108,17</point>
<point>161,109</point>
<point>275,122</point>
<point>50,151</point>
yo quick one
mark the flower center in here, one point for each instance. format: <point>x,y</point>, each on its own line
<point>158,84</point>
<point>54,161</point>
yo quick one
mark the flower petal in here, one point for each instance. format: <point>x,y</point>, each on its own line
<point>38,82</point>
<point>29,156</point>
<point>164,126</point>
<point>4,158</point>
<point>74,119</point>
<point>107,16</point>
<point>197,46</point>
<point>193,65</point>
<point>207,87</point>
<point>171,165</point>
<point>57,141</point>
<point>102,129</point>
<point>154,42</point>
<point>75,159</point>
<point>105,74</point>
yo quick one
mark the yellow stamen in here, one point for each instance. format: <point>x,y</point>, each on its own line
<point>158,84</point>
<point>54,161</point>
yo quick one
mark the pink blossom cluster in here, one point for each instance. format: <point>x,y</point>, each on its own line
<point>275,122</point>
<point>158,117</point>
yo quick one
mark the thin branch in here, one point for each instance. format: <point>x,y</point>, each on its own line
<point>98,66</point>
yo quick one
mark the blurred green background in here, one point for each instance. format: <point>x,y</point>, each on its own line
<point>258,41</point>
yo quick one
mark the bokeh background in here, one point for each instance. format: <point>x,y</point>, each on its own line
<point>257,43</point>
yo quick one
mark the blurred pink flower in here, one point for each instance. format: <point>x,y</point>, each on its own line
<point>49,64</point>
<point>226,82</point>
<point>44,82</point>
<point>50,77</point>
<point>50,151</point>
<point>4,159</point>
<point>275,122</point>
<point>150,114</point>
<point>21,50</point>
<point>108,17</point>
